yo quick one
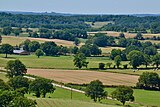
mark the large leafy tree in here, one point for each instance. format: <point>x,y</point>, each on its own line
<point>33,46</point>
<point>15,68</point>
<point>156,59</point>
<point>22,102</point>
<point>3,85</point>
<point>25,44</point>
<point>19,82</point>
<point>103,40</point>
<point>123,94</point>
<point>136,58</point>
<point>13,99</point>
<point>95,90</point>
<point>147,60</point>
<point>117,60</point>
<point>41,87</point>
<point>148,80</point>
<point>95,50</point>
<point>80,60</point>
<point>49,48</point>
<point>7,30</point>
<point>6,49</point>
<point>151,50</point>
<point>139,36</point>
<point>39,53</point>
<point>85,50</point>
<point>77,41</point>
<point>114,53</point>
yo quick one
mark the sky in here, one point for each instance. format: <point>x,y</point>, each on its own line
<point>83,6</point>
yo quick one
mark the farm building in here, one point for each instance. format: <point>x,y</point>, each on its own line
<point>21,52</point>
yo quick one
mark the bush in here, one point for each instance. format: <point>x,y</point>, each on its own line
<point>101,65</point>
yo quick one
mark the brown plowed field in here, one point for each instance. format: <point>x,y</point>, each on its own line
<point>85,76</point>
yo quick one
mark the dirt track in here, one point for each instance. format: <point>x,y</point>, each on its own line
<point>85,76</point>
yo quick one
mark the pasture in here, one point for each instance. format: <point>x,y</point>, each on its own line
<point>98,24</point>
<point>143,97</point>
<point>68,103</point>
<point>48,62</point>
<point>85,76</point>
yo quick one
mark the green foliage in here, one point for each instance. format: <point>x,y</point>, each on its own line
<point>25,44</point>
<point>149,80</point>
<point>77,41</point>
<point>12,99</point>
<point>6,97</point>
<point>22,102</point>
<point>95,50</point>
<point>0,38</point>
<point>3,85</point>
<point>115,52</point>
<point>117,61</point>
<point>19,82</point>
<point>136,58</point>
<point>121,35</point>
<point>39,53</point>
<point>41,87</point>
<point>17,31</point>
<point>95,90</point>
<point>85,50</point>
<point>33,46</point>
<point>147,60</point>
<point>103,40</point>
<point>7,30</point>
<point>6,49</point>
<point>80,60</point>
<point>151,50</point>
<point>139,36</point>
<point>101,65</point>
<point>156,59</point>
<point>49,48</point>
<point>15,68</point>
<point>109,65</point>
<point>123,94</point>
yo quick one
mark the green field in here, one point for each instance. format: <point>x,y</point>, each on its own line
<point>144,97</point>
<point>98,24</point>
<point>61,62</point>
<point>68,103</point>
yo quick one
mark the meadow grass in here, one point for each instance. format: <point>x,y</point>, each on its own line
<point>143,97</point>
<point>62,95</point>
<point>99,24</point>
<point>3,77</point>
<point>61,62</point>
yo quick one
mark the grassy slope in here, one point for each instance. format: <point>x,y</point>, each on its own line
<point>144,97</point>
<point>62,98</point>
<point>3,77</point>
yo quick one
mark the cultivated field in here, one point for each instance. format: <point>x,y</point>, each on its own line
<point>18,40</point>
<point>127,35</point>
<point>85,76</point>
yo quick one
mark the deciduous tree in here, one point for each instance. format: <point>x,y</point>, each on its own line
<point>80,60</point>
<point>95,90</point>
<point>123,94</point>
<point>15,68</point>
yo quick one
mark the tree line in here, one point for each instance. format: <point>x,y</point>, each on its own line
<point>122,23</point>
